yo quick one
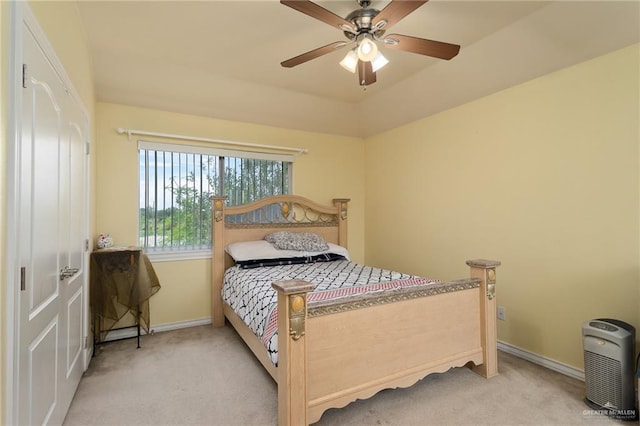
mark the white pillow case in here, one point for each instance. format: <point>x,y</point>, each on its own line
<point>261,249</point>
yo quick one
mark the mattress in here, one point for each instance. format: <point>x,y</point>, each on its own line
<point>250,294</point>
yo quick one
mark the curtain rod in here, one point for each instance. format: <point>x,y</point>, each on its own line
<point>130,132</point>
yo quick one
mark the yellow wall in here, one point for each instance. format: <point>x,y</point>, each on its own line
<point>333,168</point>
<point>543,176</point>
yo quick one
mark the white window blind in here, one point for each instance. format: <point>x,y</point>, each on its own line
<point>176,185</point>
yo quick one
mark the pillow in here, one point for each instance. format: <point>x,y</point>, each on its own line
<point>301,241</point>
<point>339,250</point>
<point>261,249</point>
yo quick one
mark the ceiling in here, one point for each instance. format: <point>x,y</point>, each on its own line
<point>222,58</point>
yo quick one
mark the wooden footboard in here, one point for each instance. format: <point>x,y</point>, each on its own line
<point>330,355</point>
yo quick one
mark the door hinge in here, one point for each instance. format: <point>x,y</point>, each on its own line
<point>25,70</point>
<point>86,245</point>
<point>86,342</point>
<point>23,278</point>
<point>87,148</point>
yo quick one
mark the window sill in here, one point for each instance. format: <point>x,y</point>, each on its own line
<point>173,256</point>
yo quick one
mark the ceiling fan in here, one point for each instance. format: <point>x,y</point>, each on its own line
<point>363,27</point>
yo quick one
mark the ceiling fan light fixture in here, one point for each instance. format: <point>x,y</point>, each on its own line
<point>378,62</point>
<point>367,50</point>
<point>350,61</point>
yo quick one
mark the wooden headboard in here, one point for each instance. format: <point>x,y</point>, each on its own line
<point>250,222</point>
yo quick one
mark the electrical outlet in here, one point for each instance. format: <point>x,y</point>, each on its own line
<point>502,313</point>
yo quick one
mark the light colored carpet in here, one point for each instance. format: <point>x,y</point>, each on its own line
<point>206,376</point>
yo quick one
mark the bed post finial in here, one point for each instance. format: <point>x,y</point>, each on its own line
<point>217,260</point>
<point>292,352</point>
<point>218,206</point>
<point>485,270</point>
<point>341,204</point>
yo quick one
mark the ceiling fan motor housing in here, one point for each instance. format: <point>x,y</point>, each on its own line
<point>361,20</point>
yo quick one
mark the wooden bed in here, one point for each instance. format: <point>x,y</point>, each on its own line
<point>330,354</point>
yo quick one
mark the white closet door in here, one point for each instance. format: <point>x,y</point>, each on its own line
<point>51,240</point>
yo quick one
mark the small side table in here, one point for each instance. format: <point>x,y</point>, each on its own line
<point>122,281</point>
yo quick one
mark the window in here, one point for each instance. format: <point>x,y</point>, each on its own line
<point>176,185</point>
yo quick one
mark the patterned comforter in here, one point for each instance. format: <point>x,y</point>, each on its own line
<point>249,293</point>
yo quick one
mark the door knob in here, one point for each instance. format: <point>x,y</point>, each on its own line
<point>67,272</point>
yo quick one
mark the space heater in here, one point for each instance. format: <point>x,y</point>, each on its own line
<point>609,370</point>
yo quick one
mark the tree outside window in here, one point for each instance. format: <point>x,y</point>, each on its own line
<point>176,189</point>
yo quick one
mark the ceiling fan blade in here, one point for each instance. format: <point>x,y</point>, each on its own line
<point>422,46</point>
<point>312,54</point>
<point>320,13</point>
<point>366,76</point>
<point>395,11</point>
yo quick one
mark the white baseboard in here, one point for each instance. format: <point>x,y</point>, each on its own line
<point>549,363</point>
<point>132,332</point>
